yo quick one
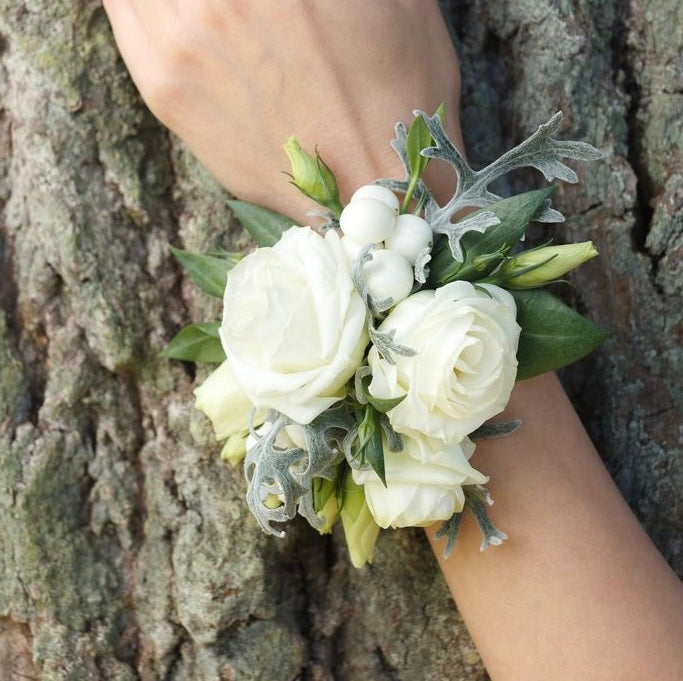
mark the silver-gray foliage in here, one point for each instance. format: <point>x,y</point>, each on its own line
<point>539,151</point>
<point>289,473</point>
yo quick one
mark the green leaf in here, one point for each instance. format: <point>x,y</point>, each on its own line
<point>209,272</point>
<point>374,455</point>
<point>484,250</point>
<point>419,138</point>
<point>370,447</point>
<point>196,343</point>
<point>382,405</point>
<point>553,334</point>
<point>265,226</point>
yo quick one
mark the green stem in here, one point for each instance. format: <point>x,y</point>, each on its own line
<point>336,208</point>
<point>409,193</point>
<point>420,204</point>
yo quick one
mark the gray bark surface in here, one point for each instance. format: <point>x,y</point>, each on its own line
<point>126,550</point>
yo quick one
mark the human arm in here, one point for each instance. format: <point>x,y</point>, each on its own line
<point>578,591</point>
<point>569,603</point>
<point>235,79</point>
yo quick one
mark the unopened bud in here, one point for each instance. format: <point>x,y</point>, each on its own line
<point>325,502</point>
<point>360,527</point>
<point>313,177</point>
<point>540,266</point>
<point>235,448</point>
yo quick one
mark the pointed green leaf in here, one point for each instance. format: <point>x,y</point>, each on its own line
<point>374,455</point>
<point>382,405</point>
<point>209,272</point>
<point>484,250</point>
<point>370,448</point>
<point>196,343</point>
<point>265,226</point>
<point>419,138</point>
<point>553,334</point>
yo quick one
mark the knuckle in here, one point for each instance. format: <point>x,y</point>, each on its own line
<point>167,76</point>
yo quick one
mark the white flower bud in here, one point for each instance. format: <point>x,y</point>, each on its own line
<point>411,234</point>
<point>235,448</point>
<point>379,193</point>
<point>296,435</point>
<point>367,221</point>
<point>388,274</point>
<point>223,400</point>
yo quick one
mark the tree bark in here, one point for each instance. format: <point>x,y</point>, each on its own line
<point>126,550</point>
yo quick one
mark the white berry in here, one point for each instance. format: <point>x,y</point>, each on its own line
<point>379,193</point>
<point>367,221</point>
<point>388,275</point>
<point>411,234</point>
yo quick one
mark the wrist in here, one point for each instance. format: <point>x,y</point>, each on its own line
<point>358,153</point>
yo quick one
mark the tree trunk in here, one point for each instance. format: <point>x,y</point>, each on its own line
<point>126,550</point>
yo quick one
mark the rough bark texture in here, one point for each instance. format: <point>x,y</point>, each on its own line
<point>126,551</point>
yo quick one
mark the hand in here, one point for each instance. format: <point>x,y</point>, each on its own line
<point>235,79</point>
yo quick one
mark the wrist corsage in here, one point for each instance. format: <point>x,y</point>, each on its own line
<point>361,362</point>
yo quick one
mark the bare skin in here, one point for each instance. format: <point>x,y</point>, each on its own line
<point>579,591</point>
<point>235,100</point>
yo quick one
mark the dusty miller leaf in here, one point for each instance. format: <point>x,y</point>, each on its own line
<point>477,222</point>
<point>421,268</point>
<point>476,500</point>
<point>291,472</point>
<point>387,346</point>
<point>491,431</point>
<point>539,151</point>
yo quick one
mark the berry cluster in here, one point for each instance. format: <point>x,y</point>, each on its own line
<point>372,217</point>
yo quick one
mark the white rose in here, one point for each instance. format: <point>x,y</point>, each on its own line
<point>294,326</point>
<point>222,399</point>
<point>424,483</point>
<point>465,364</point>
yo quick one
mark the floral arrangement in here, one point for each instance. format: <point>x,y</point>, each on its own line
<point>360,363</point>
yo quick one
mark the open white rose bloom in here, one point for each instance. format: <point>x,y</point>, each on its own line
<point>361,362</point>
<point>423,483</point>
<point>294,327</point>
<point>465,364</point>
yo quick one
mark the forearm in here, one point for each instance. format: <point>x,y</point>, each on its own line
<point>578,591</point>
